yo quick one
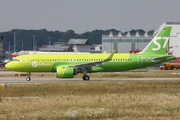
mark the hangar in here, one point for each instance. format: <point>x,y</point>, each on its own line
<point>124,43</point>
<point>174,42</point>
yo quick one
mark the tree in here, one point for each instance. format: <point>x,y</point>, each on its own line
<point>43,37</point>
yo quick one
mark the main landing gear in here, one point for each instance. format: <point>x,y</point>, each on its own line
<point>29,77</point>
<point>85,77</point>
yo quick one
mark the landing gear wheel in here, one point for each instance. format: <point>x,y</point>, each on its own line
<point>28,78</point>
<point>85,77</point>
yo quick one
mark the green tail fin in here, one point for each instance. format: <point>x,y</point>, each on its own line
<point>159,43</point>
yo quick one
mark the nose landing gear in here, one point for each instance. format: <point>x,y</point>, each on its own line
<point>29,77</point>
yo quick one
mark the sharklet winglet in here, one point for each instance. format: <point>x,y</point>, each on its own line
<point>111,55</point>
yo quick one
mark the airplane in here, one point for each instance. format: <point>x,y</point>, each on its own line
<point>68,65</point>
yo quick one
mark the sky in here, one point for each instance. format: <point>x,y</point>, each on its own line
<point>87,15</point>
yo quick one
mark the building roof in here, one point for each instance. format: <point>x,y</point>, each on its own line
<point>128,35</point>
<point>78,42</point>
<point>57,48</point>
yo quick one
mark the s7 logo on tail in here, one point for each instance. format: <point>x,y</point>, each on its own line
<point>158,44</point>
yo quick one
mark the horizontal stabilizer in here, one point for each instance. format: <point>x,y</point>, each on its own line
<point>157,59</point>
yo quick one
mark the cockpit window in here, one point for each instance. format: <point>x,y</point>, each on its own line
<point>16,60</point>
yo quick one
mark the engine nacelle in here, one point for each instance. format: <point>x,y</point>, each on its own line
<point>65,72</point>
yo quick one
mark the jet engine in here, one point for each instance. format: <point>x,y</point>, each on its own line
<point>65,72</point>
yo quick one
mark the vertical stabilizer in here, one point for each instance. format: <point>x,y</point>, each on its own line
<point>159,43</point>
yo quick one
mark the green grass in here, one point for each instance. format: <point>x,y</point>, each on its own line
<point>145,100</point>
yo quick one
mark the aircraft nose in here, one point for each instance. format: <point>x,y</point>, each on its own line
<point>8,66</point>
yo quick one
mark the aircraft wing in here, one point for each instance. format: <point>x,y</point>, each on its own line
<point>157,59</point>
<point>92,64</point>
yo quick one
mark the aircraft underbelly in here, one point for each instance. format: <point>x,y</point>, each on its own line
<point>113,67</point>
<point>43,69</point>
<point>36,69</point>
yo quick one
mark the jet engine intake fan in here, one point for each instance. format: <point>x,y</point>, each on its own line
<point>65,72</point>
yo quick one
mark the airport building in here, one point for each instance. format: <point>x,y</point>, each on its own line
<point>96,48</point>
<point>57,47</point>
<point>124,43</point>
<point>79,45</point>
<point>174,42</point>
<point>73,45</point>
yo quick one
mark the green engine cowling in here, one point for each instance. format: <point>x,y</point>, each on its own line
<point>65,72</point>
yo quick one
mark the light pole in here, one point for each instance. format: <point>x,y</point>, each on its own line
<point>22,45</point>
<point>33,41</point>
<point>14,42</point>
<point>111,36</point>
<point>9,50</point>
<point>49,40</point>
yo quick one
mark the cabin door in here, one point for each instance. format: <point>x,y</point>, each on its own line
<point>28,60</point>
<point>139,59</point>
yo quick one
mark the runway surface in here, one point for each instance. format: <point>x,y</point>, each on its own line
<point>6,77</point>
<point>14,80</point>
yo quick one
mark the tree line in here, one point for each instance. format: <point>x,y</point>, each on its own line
<point>24,38</point>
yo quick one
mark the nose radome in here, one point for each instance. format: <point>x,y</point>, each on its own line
<point>7,66</point>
